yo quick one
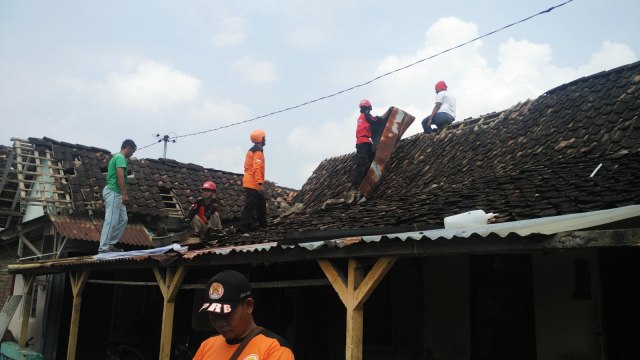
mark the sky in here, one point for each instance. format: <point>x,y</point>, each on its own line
<point>98,72</point>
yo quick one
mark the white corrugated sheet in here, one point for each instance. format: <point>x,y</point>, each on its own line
<point>546,226</point>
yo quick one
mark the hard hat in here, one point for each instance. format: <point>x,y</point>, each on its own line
<point>209,185</point>
<point>365,102</point>
<point>440,85</point>
<point>257,135</point>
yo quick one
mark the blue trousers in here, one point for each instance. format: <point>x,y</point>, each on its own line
<point>441,120</point>
<point>115,219</point>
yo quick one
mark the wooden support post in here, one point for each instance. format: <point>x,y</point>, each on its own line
<point>170,283</point>
<point>27,291</point>
<point>78,280</point>
<point>354,290</point>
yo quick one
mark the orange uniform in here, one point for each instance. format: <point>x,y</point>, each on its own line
<point>253,168</point>
<point>264,346</point>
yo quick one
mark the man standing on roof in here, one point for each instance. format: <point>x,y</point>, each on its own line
<point>364,147</point>
<point>253,183</point>
<point>204,214</point>
<point>115,196</point>
<point>229,303</point>
<point>444,112</point>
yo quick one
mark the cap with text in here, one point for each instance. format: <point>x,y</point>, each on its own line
<point>225,291</point>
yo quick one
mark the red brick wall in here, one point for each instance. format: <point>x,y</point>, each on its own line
<point>8,255</point>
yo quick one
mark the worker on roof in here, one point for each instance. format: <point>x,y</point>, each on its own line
<point>444,111</point>
<point>229,303</point>
<point>204,214</point>
<point>115,197</point>
<point>365,151</point>
<point>253,183</point>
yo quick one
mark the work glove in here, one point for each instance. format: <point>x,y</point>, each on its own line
<point>186,223</point>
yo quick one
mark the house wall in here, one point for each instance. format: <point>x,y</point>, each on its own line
<point>446,303</point>
<point>566,325</point>
<point>35,321</point>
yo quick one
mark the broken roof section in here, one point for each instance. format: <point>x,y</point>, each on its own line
<point>160,190</point>
<point>535,159</point>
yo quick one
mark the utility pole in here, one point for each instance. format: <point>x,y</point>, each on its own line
<point>166,139</point>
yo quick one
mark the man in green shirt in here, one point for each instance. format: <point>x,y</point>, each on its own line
<point>115,196</point>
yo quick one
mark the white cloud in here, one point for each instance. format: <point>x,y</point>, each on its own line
<point>335,137</point>
<point>255,72</point>
<point>307,37</point>
<point>611,54</point>
<point>231,32</point>
<point>224,112</point>
<point>152,86</point>
<point>225,158</point>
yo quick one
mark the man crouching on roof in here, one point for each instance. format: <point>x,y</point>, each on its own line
<point>204,214</point>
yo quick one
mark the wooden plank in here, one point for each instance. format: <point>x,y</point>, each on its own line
<point>29,280</point>
<point>26,241</point>
<point>7,168</point>
<point>7,312</point>
<point>336,278</point>
<point>354,292</point>
<point>169,283</point>
<point>355,311</point>
<point>375,275</point>
<point>78,281</point>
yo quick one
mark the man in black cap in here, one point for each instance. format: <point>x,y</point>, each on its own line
<point>229,303</point>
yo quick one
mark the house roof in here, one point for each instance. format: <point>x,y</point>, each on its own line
<point>532,160</point>
<point>158,188</point>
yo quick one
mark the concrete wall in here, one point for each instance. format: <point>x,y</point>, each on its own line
<point>36,322</point>
<point>446,315</point>
<point>566,326</point>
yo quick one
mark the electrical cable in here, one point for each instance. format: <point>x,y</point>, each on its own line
<point>375,78</point>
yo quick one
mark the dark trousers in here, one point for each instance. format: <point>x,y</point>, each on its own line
<point>364,157</point>
<point>254,203</point>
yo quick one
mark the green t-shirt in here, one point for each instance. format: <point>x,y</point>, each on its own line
<point>117,161</point>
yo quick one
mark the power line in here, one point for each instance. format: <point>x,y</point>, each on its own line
<point>377,77</point>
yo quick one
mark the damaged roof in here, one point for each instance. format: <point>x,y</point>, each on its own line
<point>536,159</point>
<point>158,188</point>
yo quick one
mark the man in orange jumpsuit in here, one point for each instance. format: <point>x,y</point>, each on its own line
<point>253,183</point>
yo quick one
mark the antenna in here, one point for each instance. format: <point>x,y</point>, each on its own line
<point>166,139</point>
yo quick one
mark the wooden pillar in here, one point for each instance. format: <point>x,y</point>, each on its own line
<point>169,282</point>
<point>354,290</point>
<point>27,291</point>
<point>77,279</point>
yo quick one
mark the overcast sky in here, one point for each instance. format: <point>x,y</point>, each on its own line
<point>97,72</point>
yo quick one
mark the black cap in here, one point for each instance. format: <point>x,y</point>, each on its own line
<point>225,291</point>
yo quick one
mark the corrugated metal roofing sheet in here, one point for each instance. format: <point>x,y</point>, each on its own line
<point>546,226</point>
<point>224,250</point>
<point>85,229</point>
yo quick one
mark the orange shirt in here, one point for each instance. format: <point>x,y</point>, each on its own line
<point>253,168</point>
<point>264,346</point>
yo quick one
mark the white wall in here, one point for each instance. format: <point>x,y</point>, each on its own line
<point>565,326</point>
<point>446,316</point>
<point>35,324</point>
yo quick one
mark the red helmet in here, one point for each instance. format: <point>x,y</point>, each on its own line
<point>365,102</point>
<point>257,135</point>
<point>440,85</point>
<point>209,185</point>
